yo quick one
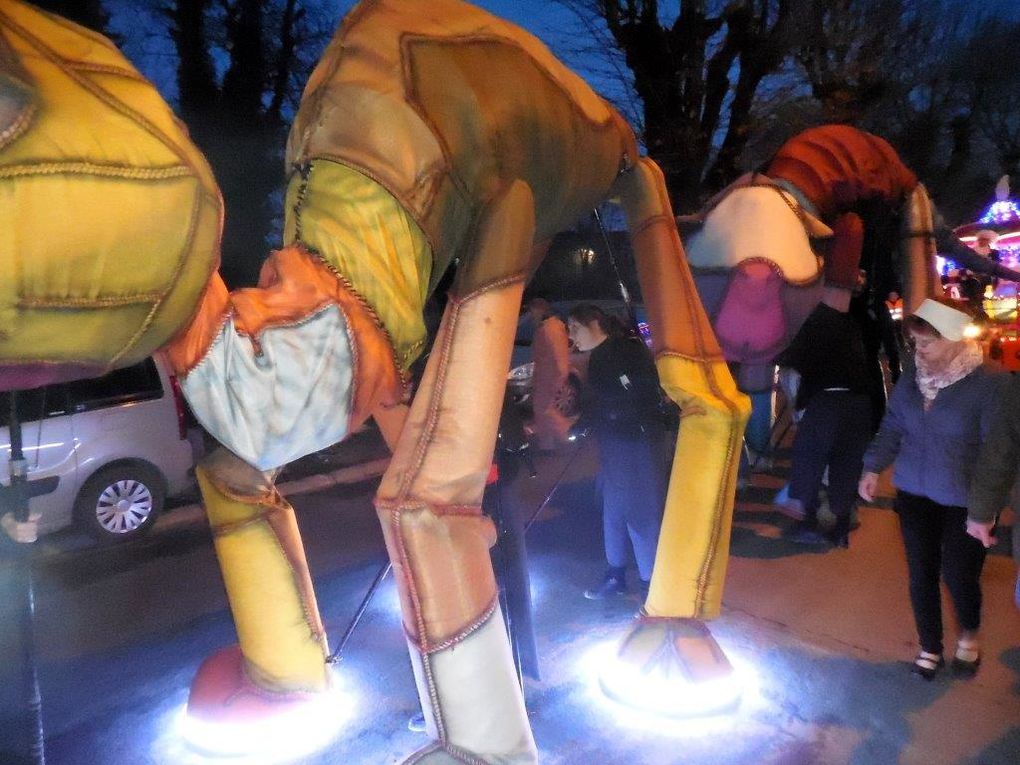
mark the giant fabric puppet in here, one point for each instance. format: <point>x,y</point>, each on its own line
<point>430,135</point>
<point>756,273</point>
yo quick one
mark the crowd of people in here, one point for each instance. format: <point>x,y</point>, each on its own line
<point>950,430</point>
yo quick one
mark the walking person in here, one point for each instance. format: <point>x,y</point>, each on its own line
<point>828,354</point>
<point>939,414</point>
<point>622,410</point>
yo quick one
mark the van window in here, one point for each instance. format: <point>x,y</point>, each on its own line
<point>33,405</point>
<point>136,383</point>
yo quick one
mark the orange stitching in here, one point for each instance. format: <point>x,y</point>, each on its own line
<point>19,126</point>
<point>181,257</point>
<point>146,297</point>
<point>82,167</point>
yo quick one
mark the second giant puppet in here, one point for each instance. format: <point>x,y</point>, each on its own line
<point>758,281</point>
<point>431,134</point>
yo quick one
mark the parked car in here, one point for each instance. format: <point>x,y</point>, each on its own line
<point>117,446</point>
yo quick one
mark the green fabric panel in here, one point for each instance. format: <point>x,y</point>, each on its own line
<point>362,232</point>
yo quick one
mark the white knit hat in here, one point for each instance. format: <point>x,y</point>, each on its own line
<point>947,320</point>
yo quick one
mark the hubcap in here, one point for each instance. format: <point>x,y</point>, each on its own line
<point>124,506</point>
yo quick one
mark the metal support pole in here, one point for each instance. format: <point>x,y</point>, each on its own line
<point>334,658</point>
<point>624,292</point>
<point>18,497</point>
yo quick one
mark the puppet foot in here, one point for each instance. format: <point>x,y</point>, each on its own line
<point>671,667</point>
<point>229,714</point>
<point>436,754</point>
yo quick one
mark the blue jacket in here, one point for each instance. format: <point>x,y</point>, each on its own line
<point>935,451</point>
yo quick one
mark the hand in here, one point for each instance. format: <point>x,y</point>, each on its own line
<point>867,486</point>
<point>982,532</point>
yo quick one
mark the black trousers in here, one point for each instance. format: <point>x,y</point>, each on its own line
<point>936,541</point>
<point>833,433</point>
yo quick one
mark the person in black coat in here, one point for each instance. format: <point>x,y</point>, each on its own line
<point>828,353</point>
<point>621,409</point>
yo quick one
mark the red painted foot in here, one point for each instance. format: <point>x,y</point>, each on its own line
<point>228,714</point>
<point>672,667</point>
<point>223,693</point>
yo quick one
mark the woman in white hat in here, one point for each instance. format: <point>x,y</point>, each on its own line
<point>938,415</point>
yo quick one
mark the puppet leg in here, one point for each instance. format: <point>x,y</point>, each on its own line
<point>429,505</point>
<point>280,660</point>
<point>669,639</point>
<point>918,264</point>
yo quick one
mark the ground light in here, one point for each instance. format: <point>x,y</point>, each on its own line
<point>287,738</point>
<point>658,698</point>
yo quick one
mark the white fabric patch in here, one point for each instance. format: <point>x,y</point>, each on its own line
<point>481,701</point>
<point>754,222</point>
<point>293,399</point>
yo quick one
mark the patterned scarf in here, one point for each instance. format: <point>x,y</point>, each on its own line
<point>930,380</point>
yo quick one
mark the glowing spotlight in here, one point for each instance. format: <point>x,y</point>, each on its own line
<point>288,737</point>
<point>686,712</point>
<point>668,693</point>
<point>666,684</point>
<point>972,331</point>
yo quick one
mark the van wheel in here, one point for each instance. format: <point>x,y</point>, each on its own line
<point>120,503</point>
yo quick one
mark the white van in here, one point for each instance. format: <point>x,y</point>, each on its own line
<point>117,446</point>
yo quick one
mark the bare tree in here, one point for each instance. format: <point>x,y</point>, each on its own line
<point>88,13</point>
<point>298,33</point>
<point>992,86</point>
<point>239,111</point>
<point>197,89</point>
<point>855,52</point>
<point>696,77</point>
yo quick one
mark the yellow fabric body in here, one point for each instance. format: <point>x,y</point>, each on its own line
<point>690,562</point>
<point>109,216</point>
<point>364,235</point>
<point>919,276</point>
<point>280,646</point>
<point>444,105</point>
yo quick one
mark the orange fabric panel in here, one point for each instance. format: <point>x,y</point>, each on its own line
<point>444,574</point>
<point>294,284</point>
<point>837,166</point>
<point>188,348</point>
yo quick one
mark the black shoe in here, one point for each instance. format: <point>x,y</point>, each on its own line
<point>612,585</point>
<point>927,665</point>
<point>967,659</point>
<point>417,723</point>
